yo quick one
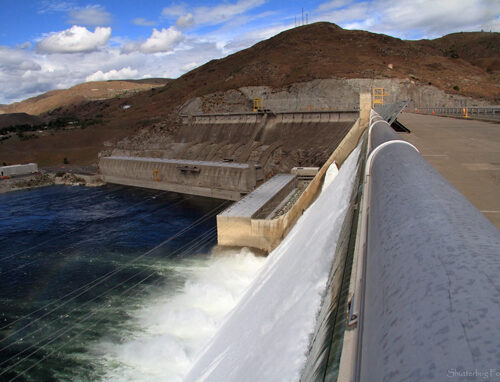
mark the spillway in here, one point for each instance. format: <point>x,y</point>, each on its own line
<point>392,278</point>
<point>227,156</point>
<point>266,337</point>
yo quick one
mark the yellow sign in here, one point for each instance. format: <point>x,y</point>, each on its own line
<point>378,96</point>
<point>257,105</point>
<point>156,176</point>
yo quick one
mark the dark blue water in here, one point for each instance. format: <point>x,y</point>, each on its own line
<point>74,259</point>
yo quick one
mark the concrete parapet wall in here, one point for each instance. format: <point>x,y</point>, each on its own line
<point>213,179</point>
<point>254,118</point>
<point>224,118</point>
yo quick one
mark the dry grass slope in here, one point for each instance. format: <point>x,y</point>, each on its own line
<point>469,62</point>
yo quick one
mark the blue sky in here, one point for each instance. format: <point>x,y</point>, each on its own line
<point>47,44</point>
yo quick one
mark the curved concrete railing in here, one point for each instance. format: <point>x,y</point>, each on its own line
<point>426,301</point>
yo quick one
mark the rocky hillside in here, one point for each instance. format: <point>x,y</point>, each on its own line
<point>321,57</point>
<point>461,64</point>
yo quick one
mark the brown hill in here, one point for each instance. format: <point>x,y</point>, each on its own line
<point>88,91</point>
<point>19,119</point>
<point>463,64</point>
<point>464,61</point>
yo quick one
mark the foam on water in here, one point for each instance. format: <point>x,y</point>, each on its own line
<point>171,327</point>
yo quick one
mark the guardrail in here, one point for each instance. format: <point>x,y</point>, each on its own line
<point>465,112</point>
<point>426,298</point>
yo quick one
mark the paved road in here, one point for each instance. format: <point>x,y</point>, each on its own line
<point>466,152</point>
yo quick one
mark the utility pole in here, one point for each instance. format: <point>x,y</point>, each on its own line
<point>307,18</point>
<point>302,16</point>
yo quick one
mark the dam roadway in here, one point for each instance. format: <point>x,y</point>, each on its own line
<point>465,151</point>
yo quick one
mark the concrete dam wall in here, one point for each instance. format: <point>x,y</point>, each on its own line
<point>227,155</point>
<point>212,179</point>
<point>412,290</point>
<point>276,142</point>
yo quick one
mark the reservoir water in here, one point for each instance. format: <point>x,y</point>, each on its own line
<point>111,283</point>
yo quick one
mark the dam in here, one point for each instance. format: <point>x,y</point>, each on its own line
<point>371,276</point>
<point>226,156</point>
<point>408,270</point>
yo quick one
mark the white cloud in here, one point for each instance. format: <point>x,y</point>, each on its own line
<point>140,21</point>
<point>74,40</point>
<point>185,21</point>
<point>91,15</point>
<point>124,73</point>
<point>412,19</point>
<point>334,4</point>
<point>160,41</point>
<point>51,6</point>
<point>224,12</point>
<point>24,45</point>
<point>189,66</point>
<point>173,11</point>
<point>210,15</point>
<point>26,72</point>
<point>16,61</point>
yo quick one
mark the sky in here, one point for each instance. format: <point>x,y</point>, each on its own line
<point>48,44</point>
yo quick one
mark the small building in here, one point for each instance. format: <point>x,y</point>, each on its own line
<point>19,169</point>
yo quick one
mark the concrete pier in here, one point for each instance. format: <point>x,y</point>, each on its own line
<point>234,225</point>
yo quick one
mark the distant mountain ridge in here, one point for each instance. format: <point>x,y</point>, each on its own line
<point>88,91</point>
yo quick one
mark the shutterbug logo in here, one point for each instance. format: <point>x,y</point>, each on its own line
<point>484,374</point>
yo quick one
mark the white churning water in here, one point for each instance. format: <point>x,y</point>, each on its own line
<point>171,327</point>
<point>266,337</point>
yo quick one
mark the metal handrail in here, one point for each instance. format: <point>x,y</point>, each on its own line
<point>428,309</point>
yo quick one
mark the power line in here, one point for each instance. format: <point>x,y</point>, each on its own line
<point>76,229</point>
<point>63,345</point>
<point>84,319</point>
<point>69,197</point>
<point>199,242</point>
<point>103,278</point>
<point>84,240</point>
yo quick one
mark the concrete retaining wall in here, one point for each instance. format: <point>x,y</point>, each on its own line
<point>424,289</point>
<point>212,179</point>
<point>332,94</point>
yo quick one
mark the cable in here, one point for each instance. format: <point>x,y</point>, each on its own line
<point>197,242</point>
<point>96,282</point>
<point>67,198</point>
<point>101,279</point>
<point>84,240</point>
<point>77,229</point>
<point>89,315</point>
<point>203,241</point>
